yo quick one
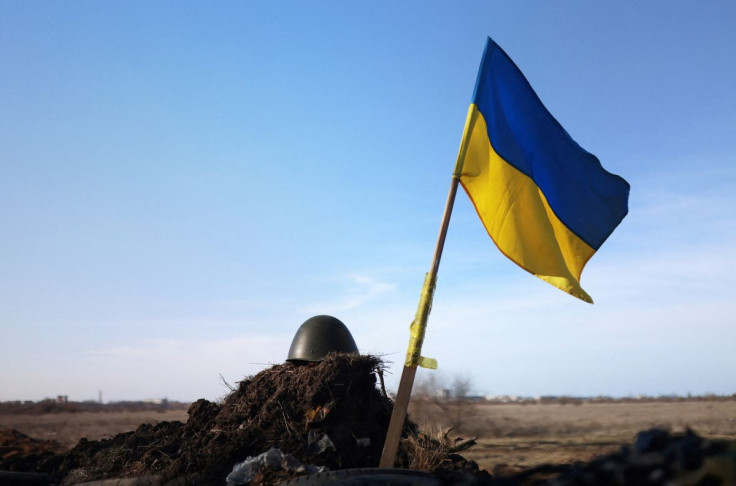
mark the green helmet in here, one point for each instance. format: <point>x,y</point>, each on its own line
<point>319,336</point>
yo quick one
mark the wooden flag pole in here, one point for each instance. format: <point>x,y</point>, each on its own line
<point>403,395</point>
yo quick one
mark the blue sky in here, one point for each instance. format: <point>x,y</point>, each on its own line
<point>182,184</point>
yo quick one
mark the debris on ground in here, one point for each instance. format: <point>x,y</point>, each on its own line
<point>274,459</point>
<point>657,458</point>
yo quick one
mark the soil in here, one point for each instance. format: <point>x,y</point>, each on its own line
<point>18,452</point>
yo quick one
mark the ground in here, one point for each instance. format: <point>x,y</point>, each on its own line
<point>511,437</point>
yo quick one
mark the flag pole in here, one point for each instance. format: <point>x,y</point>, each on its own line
<point>418,327</point>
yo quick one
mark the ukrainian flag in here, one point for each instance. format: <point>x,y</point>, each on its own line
<point>546,202</point>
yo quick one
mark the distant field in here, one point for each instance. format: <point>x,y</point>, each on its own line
<point>67,428</point>
<point>512,437</point>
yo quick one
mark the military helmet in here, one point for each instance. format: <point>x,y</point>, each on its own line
<point>319,336</point>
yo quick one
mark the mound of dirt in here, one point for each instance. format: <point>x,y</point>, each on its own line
<point>18,452</point>
<point>329,414</point>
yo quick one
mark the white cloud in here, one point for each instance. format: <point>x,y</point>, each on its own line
<point>360,291</point>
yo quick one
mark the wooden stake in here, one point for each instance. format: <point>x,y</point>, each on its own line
<point>403,395</point>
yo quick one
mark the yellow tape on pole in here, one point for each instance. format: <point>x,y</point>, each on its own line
<point>414,356</point>
<point>418,327</point>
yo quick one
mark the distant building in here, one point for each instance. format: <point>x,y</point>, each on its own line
<point>163,402</point>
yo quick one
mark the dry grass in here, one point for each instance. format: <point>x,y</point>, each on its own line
<point>426,451</point>
<point>431,448</point>
<point>621,420</point>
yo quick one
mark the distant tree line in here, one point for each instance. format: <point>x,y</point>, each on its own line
<point>436,388</point>
<point>572,400</point>
<point>50,405</point>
